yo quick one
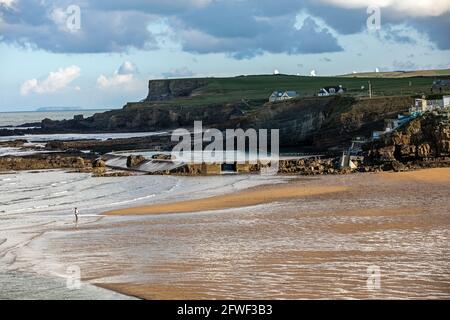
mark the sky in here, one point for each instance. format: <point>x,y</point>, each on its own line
<point>101,54</point>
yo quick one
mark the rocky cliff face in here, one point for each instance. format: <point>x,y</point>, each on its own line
<point>320,123</point>
<point>423,139</point>
<point>325,122</point>
<point>159,90</point>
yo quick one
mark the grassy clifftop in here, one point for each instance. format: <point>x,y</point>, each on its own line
<point>255,89</point>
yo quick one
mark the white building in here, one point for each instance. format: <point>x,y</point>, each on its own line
<point>331,90</point>
<point>446,101</point>
<point>423,105</point>
<point>282,95</point>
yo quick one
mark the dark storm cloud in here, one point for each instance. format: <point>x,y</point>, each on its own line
<point>437,29</point>
<point>241,29</point>
<point>278,38</point>
<point>248,29</point>
<point>34,23</point>
<point>344,21</point>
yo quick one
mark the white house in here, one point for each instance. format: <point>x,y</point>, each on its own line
<point>446,101</point>
<point>280,95</point>
<point>330,90</point>
<point>423,105</point>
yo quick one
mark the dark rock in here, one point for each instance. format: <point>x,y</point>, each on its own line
<point>159,90</point>
<point>424,150</point>
<point>134,161</point>
<point>39,162</point>
<point>387,153</point>
<point>161,156</point>
<point>98,163</point>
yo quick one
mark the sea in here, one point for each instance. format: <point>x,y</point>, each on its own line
<point>40,202</point>
<point>22,117</point>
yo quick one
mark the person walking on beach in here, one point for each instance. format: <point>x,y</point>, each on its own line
<point>76,214</point>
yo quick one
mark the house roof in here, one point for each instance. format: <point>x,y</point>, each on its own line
<point>281,93</point>
<point>277,93</point>
<point>291,93</point>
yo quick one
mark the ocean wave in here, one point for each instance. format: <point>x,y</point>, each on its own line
<point>131,200</point>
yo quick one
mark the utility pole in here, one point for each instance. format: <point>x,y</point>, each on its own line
<point>370,90</point>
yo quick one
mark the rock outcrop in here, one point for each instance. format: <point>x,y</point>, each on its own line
<point>98,166</point>
<point>308,166</point>
<point>315,122</point>
<point>160,156</point>
<point>40,162</point>
<point>13,144</point>
<point>105,146</point>
<point>160,90</point>
<point>133,161</point>
<point>425,139</point>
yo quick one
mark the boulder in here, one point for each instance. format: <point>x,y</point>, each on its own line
<point>98,163</point>
<point>399,139</point>
<point>424,150</point>
<point>387,153</point>
<point>161,156</point>
<point>408,150</point>
<point>134,161</point>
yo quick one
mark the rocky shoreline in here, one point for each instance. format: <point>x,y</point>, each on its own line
<point>310,122</point>
<point>422,143</point>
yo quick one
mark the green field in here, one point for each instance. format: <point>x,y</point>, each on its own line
<point>256,89</point>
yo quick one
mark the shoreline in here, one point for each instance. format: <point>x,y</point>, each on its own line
<point>271,193</point>
<point>294,261</point>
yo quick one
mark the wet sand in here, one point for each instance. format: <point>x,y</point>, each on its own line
<point>437,175</point>
<point>254,196</point>
<point>316,244</point>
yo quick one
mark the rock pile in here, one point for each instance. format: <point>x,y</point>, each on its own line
<point>308,166</point>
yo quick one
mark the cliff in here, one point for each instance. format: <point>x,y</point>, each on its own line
<point>425,139</point>
<point>160,90</point>
<point>326,122</point>
<point>316,122</point>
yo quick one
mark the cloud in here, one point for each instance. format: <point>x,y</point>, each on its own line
<point>417,8</point>
<point>239,28</point>
<point>349,17</point>
<point>127,67</point>
<point>163,7</point>
<point>124,78</point>
<point>7,3</point>
<point>435,29</point>
<point>178,73</point>
<point>404,65</point>
<point>55,81</point>
<point>40,24</point>
<point>116,80</point>
<point>398,34</point>
<point>280,36</point>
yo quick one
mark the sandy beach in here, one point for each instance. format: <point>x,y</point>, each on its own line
<point>311,238</point>
<point>306,238</point>
<point>251,197</point>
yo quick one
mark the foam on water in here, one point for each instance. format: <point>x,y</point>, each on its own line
<point>79,136</point>
<point>33,204</point>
